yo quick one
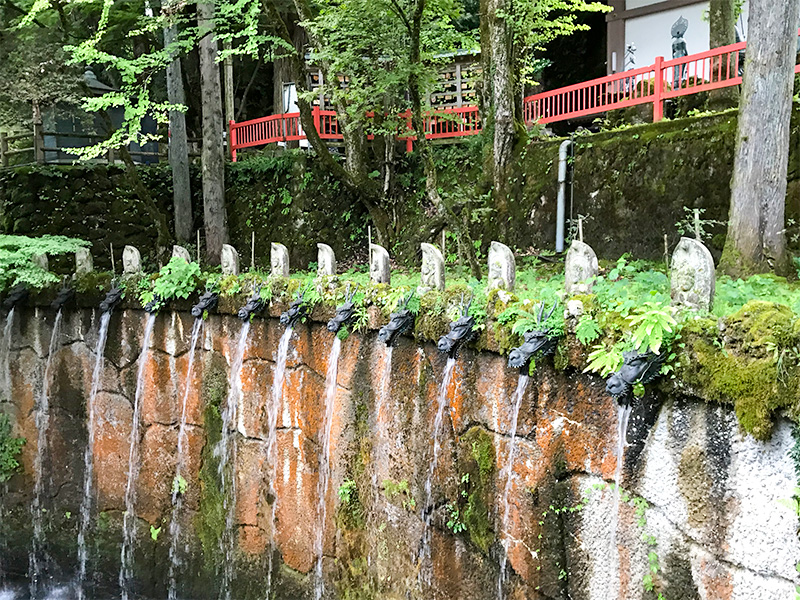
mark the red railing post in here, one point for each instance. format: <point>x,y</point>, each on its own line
<point>409,126</point>
<point>317,119</point>
<point>658,90</point>
<point>232,140</point>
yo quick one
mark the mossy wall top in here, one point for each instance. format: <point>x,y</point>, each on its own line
<point>630,185</point>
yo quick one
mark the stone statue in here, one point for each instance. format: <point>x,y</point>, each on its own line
<point>279,260</point>
<point>379,270</point>
<point>580,267</point>
<point>181,252</point>
<point>229,260</point>
<point>40,260</point>
<point>432,269</point>
<point>502,268</point>
<point>131,261</point>
<point>692,277</point>
<point>679,50</point>
<point>326,261</point>
<point>83,261</point>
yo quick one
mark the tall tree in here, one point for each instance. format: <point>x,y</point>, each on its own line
<point>722,32</point>
<point>213,155</point>
<point>178,142</point>
<point>513,36</point>
<point>756,241</point>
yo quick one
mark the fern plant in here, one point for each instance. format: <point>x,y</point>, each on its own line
<point>587,330</point>
<point>653,325</point>
<point>18,251</point>
<point>176,279</point>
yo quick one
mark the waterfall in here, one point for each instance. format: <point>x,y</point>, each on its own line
<point>425,554</point>
<point>623,414</point>
<point>325,463</point>
<point>5,352</point>
<point>226,452</point>
<point>42,418</point>
<point>129,519</point>
<point>507,475</point>
<point>272,440</point>
<point>177,497</point>
<point>88,460</point>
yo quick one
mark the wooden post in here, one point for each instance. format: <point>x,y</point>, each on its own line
<point>228,70</point>
<point>658,90</point>
<point>198,246</point>
<point>253,250</point>
<point>3,149</point>
<point>38,143</point>
<point>232,140</point>
<point>697,224</point>
<point>113,268</point>
<point>580,229</point>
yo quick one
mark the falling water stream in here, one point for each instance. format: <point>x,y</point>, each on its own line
<point>443,403</point>
<point>88,460</point>
<point>272,441</point>
<point>226,452</point>
<point>5,351</point>
<point>42,418</point>
<point>623,414</point>
<point>129,518</point>
<point>507,475</point>
<point>325,463</point>
<point>177,493</point>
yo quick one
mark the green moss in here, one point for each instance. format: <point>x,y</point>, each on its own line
<point>475,497</point>
<point>561,357</point>
<point>754,365</point>
<point>211,518</point>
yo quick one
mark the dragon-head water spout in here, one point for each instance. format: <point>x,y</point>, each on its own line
<point>345,312</point>
<point>17,295</point>
<point>113,297</point>
<point>461,332</point>
<point>296,311</point>
<point>255,304</point>
<point>399,322</point>
<point>65,294</point>
<point>154,304</point>
<point>637,367</point>
<point>206,302</point>
<point>540,339</point>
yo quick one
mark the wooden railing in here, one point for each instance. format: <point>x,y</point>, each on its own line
<point>661,81</point>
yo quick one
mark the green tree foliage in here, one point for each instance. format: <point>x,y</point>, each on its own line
<point>10,447</point>
<point>18,251</point>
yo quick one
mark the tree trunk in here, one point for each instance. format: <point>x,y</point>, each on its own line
<point>722,26</point>
<point>465,246</point>
<point>502,98</point>
<point>756,242</point>
<point>213,156</point>
<point>178,145</point>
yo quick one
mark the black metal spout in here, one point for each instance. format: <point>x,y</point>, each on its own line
<point>113,297</point>
<point>254,305</point>
<point>461,332</point>
<point>399,322</point>
<point>208,301</point>
<point>297,310</point>
<point>17,295</point>
<point>541,339</point>
<point>65,294</point>
<point>153,306</point>
<point>636,368</point>
<point>344,312</point>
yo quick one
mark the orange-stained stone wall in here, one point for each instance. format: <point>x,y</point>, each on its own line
<point>686,467</point>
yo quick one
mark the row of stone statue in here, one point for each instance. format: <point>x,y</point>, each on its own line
<point>692,276</point>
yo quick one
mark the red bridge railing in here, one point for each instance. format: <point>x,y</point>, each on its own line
<point>664,80</point>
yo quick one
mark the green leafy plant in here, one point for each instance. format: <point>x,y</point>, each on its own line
<point>454,522</point>
<point>176,279</point>
<point>605,360</point>
<point>587,330</point>
<point>179,485</point>
<point>17,254</point>
<point>653,325</point>
<point>347,491</point>
<point>154,531</point>
<point>10,447</point>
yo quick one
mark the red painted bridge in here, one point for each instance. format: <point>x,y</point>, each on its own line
<point>664,80</point>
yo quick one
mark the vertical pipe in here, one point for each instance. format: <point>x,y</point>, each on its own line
<point>562,193</point>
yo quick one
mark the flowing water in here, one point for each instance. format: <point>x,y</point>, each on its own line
<point>226,452</point>
<point>623,414</point>
<point>443,403</point>
<point>42,418</point>
<point>507,475</point>
<point>88,460</point>
<point>5,351</point>
<point>272,441</point>
<point>129,518</point>
<point>325,463</point>
<point>177,494</point>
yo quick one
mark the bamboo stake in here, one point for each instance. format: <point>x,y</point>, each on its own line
<point>580,229</point>
<point>198,246</point>
<point>113,268</point>
<point>253,250</point>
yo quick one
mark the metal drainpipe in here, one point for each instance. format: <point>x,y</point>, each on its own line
<point>563,152</point>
